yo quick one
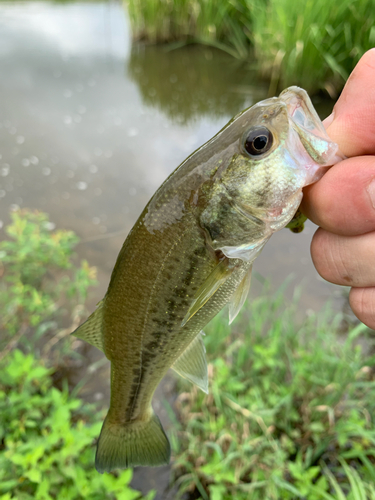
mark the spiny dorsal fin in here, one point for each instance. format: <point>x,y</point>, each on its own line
<point>214,281</point>
<point>192,364</point>
<point>239,296</point>
<point>91,330</point>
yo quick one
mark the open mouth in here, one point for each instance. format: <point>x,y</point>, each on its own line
<point>302,112</point>
<point>323,152</point>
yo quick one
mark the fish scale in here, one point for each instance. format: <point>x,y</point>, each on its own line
<point>189,254</point>
<point>136,306</point>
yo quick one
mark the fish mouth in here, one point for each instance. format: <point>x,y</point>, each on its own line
<point>314,149</point>
<point>302,112</point>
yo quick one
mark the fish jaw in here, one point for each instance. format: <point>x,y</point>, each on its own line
<point>312,148</point>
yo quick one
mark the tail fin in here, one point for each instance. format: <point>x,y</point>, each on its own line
<point>127,445</point>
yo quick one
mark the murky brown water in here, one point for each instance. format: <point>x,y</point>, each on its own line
<point>89,128</point>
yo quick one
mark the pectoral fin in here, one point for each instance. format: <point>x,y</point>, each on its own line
<point>91,330</point>
<point>239,296</point>
<point>192,364</point>
<point>218,276</point>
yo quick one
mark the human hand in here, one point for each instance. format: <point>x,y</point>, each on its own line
<point>342,203</point>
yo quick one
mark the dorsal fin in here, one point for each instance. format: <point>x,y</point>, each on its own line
<point>91,330</point>
<point>192,364</point>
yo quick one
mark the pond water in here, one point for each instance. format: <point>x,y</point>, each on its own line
<point>90,127</point>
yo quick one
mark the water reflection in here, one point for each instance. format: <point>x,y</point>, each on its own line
<point>190,82</point>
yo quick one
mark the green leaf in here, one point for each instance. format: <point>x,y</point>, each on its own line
<point>34,475</point>
<point>217,492</point>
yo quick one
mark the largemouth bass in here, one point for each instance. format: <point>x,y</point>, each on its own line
<point>189,254</point>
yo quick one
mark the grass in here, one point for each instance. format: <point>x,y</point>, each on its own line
<point>208,22</point>
<point>47,437</point>
<point>290,413</point>
<point>47,434</point>
<point>311,43</point>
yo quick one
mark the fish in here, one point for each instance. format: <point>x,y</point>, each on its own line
<point>189,254</point>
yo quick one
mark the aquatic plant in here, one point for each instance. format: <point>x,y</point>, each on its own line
<point>205,21</point>
<point>290,410</point>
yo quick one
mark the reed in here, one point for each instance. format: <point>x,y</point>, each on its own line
<point>211,22</point>
<point>311,43</point>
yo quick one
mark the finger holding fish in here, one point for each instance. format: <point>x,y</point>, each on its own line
<point>343,202</point>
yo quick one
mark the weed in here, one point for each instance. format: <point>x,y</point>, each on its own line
<point>46,440</point>
<point>38,277</point>
<point>314,44</point>
<point>46,434</point>
<point>289,414</point>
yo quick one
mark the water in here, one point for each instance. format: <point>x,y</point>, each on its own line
<point>89,128</point>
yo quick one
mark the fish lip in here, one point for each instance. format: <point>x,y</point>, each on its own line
<point>302,112</point>
<point>315,149</point>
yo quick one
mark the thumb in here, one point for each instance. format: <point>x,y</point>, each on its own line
<point>352,123</point>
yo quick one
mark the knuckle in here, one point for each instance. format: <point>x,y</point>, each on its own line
<point>330,258</point>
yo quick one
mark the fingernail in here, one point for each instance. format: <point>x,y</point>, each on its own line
<point>327,122</point>
<point>371,192</point>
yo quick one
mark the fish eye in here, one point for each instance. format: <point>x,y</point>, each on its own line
<point>258,141</point>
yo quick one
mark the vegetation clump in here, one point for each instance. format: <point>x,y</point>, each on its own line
<point>289,415</point>
<point>47,438</point>
<point>38,277</point>
<point>290,411</point>
<point>47,434</point>
<point>314,44</point>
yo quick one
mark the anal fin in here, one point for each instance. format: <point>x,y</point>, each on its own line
<point>239,296</point>
<point>91,330</point>
<point>192,364</point>
<point>214,281</point>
